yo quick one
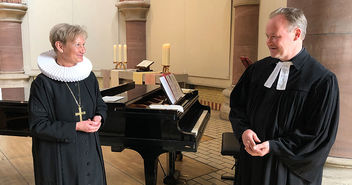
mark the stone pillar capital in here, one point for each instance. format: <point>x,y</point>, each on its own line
<point>12,12</point>
<point>245,2</point>
<point>134,10</point>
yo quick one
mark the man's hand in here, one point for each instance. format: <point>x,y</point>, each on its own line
<point>262,149</point>
<point>249,139</point>
<point>89,125</point>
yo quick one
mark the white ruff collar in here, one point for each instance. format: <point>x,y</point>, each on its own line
<point>49,67</point>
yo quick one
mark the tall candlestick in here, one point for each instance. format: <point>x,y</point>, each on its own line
<point>114,52</point>
<point>120,53</point>
<point>125,53</point>
<point>165,58</point>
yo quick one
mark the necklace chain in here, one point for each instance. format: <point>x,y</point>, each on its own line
<point>79,94</point>
<point>80,113</point>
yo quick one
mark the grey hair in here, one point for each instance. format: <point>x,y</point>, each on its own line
<point>295,18</point>
<point>65,32</point>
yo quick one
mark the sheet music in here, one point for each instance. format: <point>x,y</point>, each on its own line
<point>178,90</point>
<point>166,107</point>
<point>167,89</point>
<point>112,98</point>
<point>171,87</point>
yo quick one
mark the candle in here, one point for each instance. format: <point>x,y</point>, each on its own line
<point>114,52</point>
<point>120,53</point>
<point>165,58</point>
<point>125,53</point>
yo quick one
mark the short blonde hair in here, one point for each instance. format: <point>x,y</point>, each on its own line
<point>295,18</point>
<point>65,32</point>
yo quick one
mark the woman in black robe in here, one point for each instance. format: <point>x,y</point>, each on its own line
<point>286,122</point>
<point>66,111</point>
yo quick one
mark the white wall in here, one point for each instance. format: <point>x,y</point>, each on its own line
<point>98,17</point>
<point>199,32</point>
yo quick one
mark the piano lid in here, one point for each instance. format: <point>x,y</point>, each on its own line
<point>24,100</point>
<point>118,89</point>
<point>132,95</point>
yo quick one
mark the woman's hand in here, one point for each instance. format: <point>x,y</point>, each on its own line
<point>89,125</point>
<point>97,118</point>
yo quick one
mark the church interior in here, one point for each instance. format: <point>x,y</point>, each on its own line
<point>203,41</point>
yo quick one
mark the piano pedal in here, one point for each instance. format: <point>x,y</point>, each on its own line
<point>183,178</point>
<point>174,179</point>
<point>181,181</point>
<point>179,156</point>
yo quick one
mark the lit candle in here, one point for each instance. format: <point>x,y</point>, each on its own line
<point>165,58</point>
<point>120,53</point>
<point>125,53</point>
<point>114,52</point>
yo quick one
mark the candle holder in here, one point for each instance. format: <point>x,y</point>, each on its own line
<point>120,65</point>
<point>116,64</point>
<point>166,69</point>
<point>125,65</point>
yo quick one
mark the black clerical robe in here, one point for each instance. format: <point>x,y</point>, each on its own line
<point>62,155</point>
<point>300,122</point>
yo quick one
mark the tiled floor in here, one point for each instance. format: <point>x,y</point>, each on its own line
<point>209,153</point>
<point>203,167</point>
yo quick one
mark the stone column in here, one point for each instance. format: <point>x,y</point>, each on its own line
<point>245,43</point>
<point>11,56</point>
<point>135,12</point>
<point>329,40</point>
<point>245,34</point>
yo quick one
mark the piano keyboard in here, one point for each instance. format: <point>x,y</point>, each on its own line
<point>199,122</point>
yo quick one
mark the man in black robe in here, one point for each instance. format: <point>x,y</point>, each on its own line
<point>284,109</point>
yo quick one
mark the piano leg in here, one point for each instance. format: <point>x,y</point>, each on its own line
<point>173,175</point>
<point>150,169</point>
<point>150,157</point>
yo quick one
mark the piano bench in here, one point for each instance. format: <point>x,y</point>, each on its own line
<point>230,146</point>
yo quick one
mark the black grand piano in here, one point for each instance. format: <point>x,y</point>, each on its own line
<point>132,124</point>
